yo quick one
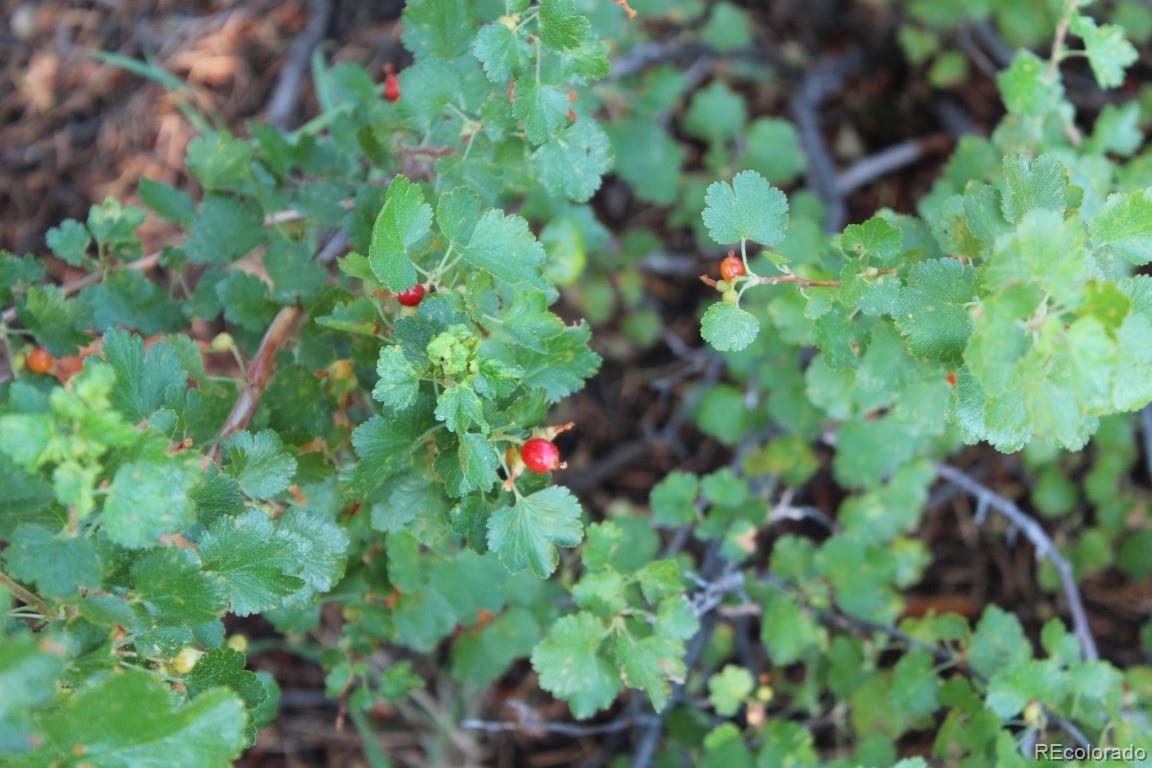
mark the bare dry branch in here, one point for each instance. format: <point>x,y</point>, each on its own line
<point>888,161</point>
<point>527,722</point>
<point>1043,544</point>
<point>287,91</point>
<point>813,90</point>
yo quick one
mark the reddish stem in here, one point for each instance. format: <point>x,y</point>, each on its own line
<point>259,373</point>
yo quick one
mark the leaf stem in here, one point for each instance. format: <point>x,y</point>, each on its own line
<point>468,148</point>
<point>1057,54</point>
<point>527,17</point>
<point>440,268</point>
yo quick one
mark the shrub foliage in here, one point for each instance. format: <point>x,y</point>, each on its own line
<point>346,452</point>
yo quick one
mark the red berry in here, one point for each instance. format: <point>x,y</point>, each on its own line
<point>413,296</point>
<point>391,87</point>
<point>39,360</point>
<point>540,455</point>
<point>732,267</point>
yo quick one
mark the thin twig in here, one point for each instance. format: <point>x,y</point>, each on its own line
<point>463,741</point>
<point>622,456</point>
<point>307,698</point>
<point>336,246</point>
<point>954,119</point>
<point>23,594</point>
<point>1069,728</point>
<point>1044,546</point>
<point>532,726</point>
<point>832,186</point>
<point>259,374</point>
<point>696,74</point>
<point>720,578</point>
<point>844,621</point>
<point>855,625</point>
<point>260,369</point>
<point>672,264</point>
<point>966,38</point>
<point>648,737</point>
<point>150,262</point>
<point>787,511</point>
<point>987,36</point>
<point>426,151</point>
<point>72,287</point>
<point>1057,53</point>
<point>712,593</point>
<point>648,55</point>
<point>887,161</point>
<point>814,89</point>
<point>287,91</point>
<point>803,282</point>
